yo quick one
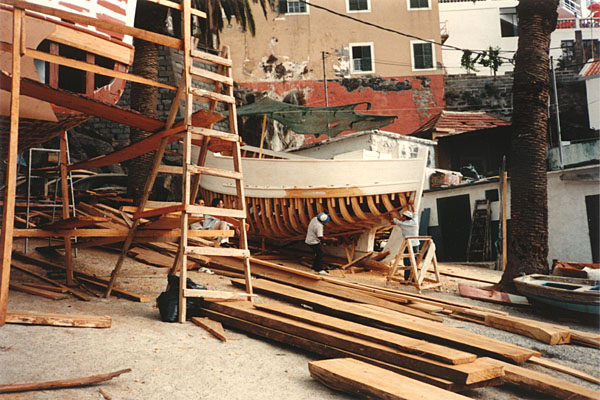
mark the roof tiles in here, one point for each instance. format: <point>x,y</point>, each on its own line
<point>451,122</point>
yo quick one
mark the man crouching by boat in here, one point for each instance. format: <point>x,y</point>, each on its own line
<point>314,236</point>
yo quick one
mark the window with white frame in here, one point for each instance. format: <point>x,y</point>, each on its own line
<point>293,7</point>
<point>423,56</point>
<point>361,55</point>
<point>419,4</point>
<point>358,5</point>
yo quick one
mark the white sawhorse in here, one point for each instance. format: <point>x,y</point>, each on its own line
<point>421,264</point>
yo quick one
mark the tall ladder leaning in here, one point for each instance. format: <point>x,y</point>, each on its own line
<point>199,135</point>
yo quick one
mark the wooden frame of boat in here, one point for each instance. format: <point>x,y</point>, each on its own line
<point>575,294</point>
<point>283,194</point>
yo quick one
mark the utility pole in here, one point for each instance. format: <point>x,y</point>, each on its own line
<point>323,53</point>
<point>560,150</point>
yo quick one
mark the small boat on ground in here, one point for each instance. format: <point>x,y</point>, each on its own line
<point>573,294</point>
<point>284,192</point>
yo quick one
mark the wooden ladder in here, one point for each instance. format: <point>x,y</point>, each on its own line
<point>421,264</point>
<point>479,244</point>
<point>198,131</point>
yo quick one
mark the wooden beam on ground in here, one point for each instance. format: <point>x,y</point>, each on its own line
<point>331,352</point>
<point>407,325</point>
<point>63,383</point>
<point>8,212</point>
<point>359,259</point>
<point>77,321</point>
<point>469,373</point>
<point>588,339</point>
<point>543,383</point>
<point>368,381</point>
<point>563,368</point>
<point>38,292</point>
<point>213,327</point>
<point>23,267</point>
<point>315,283</point>
<point>544,332</point>
<point>81,276</point>
<point>403,343</point>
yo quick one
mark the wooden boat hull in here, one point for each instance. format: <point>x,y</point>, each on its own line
<point>283,195</point>
<point>573,294</point>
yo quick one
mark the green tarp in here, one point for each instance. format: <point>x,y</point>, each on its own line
<point>316,120</point>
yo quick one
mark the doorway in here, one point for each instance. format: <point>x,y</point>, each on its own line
<point>454,217</point>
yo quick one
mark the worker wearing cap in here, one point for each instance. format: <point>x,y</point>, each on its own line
<point>410,227</point>
<point>314,236</point>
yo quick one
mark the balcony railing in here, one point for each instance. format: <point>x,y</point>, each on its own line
<point>577,23</point>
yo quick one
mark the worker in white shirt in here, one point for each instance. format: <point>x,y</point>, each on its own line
<point>314,237</point>
<point>410,227</point>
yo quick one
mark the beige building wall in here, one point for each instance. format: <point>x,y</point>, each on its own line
<point>290,46</point>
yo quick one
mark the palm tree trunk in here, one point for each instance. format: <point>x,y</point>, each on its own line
<point>528,246</point>
<point>144,98</point>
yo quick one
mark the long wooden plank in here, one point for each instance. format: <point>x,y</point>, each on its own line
<point>368,381</point>
<point>469,373</point>
<point>391,339</point>
<point>544,332</point>
<point>411,326</point>
<point>542,383</point>
<point>83,104</point>
<point>38,292</point>
<point>143,146</point>
<point>71,320</point>
<point>316,283</point>
<point>563,368</point>
<point>331,352</point>
<point>74,382</point>
<point>116,233</point>
<point>8,212</point>
<point>99,23</point>
<point>585,338</point>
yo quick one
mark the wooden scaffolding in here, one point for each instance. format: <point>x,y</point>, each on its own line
<point>215,74</point>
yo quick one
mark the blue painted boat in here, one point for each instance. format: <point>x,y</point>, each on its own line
<point>573,294</point>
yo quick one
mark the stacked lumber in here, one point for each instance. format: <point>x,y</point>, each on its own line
<point>458,371</point>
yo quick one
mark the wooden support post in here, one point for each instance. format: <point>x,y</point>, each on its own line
<point>147,189</point>
<point>65,204</point>
<point>262,135</point>
<point>186,23</point>
<point>8,214</point>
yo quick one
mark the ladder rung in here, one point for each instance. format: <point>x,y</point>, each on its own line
<point>215,294</point>
<point>195,71</point>
<point>198,133</point>
<point>223,173</point>
<point>216,251</point>
<point>211,58</point>
<point>170,169</point>
<point>212,95</point>
<point>217,212</point>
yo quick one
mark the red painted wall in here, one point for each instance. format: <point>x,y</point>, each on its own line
<point>413,106</point>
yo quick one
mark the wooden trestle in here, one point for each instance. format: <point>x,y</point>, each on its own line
<point>196,129</point>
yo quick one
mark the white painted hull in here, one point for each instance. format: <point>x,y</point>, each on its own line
<point>282,195</point>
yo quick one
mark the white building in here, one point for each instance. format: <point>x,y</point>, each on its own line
<point>479,24</point>
<point>591,75</point>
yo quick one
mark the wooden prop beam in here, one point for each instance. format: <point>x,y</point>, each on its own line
<point>8,214</point>
<point>63,383</point>
<point>82,104</point>
<point>65,205</point>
